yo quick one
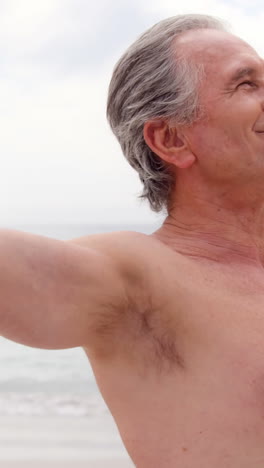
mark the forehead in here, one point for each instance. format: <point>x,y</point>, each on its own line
<point>217,50</point>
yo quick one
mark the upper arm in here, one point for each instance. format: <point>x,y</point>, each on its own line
<point>55,294</point>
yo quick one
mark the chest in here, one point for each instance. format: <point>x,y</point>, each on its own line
<point>219,333</point>
<point>191,362</point>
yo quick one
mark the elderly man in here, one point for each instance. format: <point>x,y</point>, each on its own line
<point>171,322</point>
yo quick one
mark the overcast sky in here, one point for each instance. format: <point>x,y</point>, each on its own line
<point>59,160</point>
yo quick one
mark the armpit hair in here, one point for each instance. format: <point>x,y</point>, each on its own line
<point>142,333</point>
<point>153,337</point>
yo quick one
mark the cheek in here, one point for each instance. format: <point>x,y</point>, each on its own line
<point>208,139</point>
<point>219,136</point>
<point>217,150</point>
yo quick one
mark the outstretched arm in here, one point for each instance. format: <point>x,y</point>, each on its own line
<point>55,294</point>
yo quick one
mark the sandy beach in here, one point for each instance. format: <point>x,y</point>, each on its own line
<point>61,442</point>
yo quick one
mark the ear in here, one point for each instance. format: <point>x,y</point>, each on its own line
<point>168,143</point>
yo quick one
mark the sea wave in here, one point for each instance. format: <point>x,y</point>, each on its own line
<point>43,404</point>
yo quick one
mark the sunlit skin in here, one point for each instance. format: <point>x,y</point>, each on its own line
<point>171,322</point>
<point>219,160</point>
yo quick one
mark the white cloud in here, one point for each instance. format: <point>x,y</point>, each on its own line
<point>245,17</point>
<point>31,23</point>
<point>58,150</point>
<point>60,160</point>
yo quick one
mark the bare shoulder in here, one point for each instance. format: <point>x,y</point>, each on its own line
<point>140,260</point>
<point>144,262</point>
<point>132,251</point>
<point>145,265</point>
<point>150,270</point>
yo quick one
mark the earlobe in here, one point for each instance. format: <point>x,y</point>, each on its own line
<point>186,161</point>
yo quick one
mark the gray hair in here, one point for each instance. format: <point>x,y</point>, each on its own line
<point>150,82</point>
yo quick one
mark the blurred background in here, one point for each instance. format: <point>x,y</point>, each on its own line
<point>63,175</point>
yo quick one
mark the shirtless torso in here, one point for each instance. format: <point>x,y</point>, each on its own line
<point>184,378</point>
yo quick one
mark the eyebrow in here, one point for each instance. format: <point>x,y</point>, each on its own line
<point>241,73</point>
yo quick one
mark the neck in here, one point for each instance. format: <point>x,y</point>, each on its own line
<point>208,231</point>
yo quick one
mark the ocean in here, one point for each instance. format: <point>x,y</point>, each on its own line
<point>36,382</point>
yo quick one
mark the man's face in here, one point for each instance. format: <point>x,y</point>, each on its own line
<point>229,141</point>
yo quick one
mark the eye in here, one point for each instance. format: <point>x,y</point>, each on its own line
<point>247,83</point>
